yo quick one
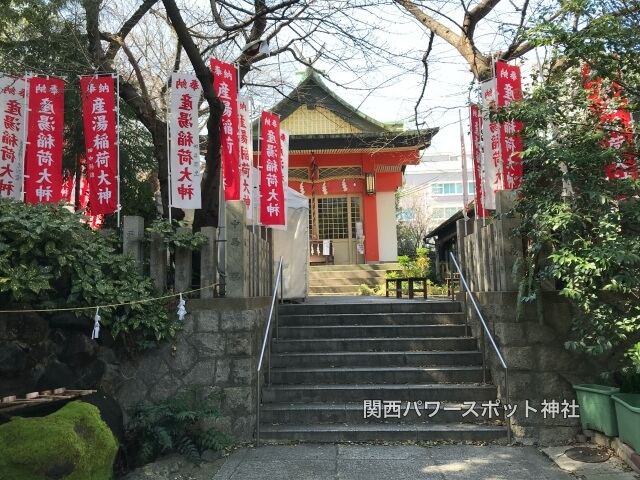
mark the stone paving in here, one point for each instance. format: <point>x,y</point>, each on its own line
<point>372,462</point>
<point>613,469</point>
<point>386,462</point>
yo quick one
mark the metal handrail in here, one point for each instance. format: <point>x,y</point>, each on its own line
<point>485,331</point>
<point>267,343</point>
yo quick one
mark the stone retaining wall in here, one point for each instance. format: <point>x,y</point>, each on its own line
<point>219,348</point>
<point>540,368</point>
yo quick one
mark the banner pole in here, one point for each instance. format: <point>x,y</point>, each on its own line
<point>259,182</point>
<point>465,180</point>
<point>169,179</point>
<point>25,125</point>
<point>497,103</point>
<point>119,205</point>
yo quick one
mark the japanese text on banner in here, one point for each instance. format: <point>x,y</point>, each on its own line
<point>226,87</point>
<point>284,153</point>
<point>476,152</point>
<point>491,142</point>
<point>43,165</point>
<point>13,119</point>
<point>246,155</point>
<point>98,108</point>
<point>185,141</point>
<point>272,202</point>
<point>509,89</point>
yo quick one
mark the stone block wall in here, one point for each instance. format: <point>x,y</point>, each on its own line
<point>219,348</point>
<point>540,368</point>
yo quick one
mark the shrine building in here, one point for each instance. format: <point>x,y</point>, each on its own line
<point>350,167</point>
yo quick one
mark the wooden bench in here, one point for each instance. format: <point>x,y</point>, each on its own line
<point>315,253</point>
<point>415,284</point>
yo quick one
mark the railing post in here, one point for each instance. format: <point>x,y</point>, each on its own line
<point>266,345</point>
<point>484,357</point>
<point>508,403</point>
<point>485,332</point>
<point>258,410</point>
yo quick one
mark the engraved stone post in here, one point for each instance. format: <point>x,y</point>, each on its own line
<point>158,262</point>
<point>133,235</point>
<point>237,250</point>
<point>509,246</point>
<point>183,265</point>
<point>208,263</point>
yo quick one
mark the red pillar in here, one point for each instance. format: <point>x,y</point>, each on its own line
<point>370,226</point>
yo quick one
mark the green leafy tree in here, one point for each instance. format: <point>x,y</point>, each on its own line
<point>584,229</point>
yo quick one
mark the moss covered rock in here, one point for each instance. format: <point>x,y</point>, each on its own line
<point>71,444</point>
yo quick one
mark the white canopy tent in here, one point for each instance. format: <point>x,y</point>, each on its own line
<point>293,245</point>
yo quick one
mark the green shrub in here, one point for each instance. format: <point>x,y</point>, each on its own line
<point>49,259</point>
<point>412,267</point>
<point>436,289</point>
<point>179,424</point>
<point>171,239</point>
<point>369,291</point>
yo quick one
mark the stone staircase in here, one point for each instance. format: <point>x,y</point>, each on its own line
<point>412,363</point>
<point>346,279</point>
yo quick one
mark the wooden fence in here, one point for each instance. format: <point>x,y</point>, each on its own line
<point>487,250</point>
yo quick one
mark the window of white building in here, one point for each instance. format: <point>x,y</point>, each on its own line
<point>451,188</point>
<point>441,213</point>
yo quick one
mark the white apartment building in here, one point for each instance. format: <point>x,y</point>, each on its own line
<point>432,190</point>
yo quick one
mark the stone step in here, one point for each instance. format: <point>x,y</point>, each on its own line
<point>351,268</point>
<point>376,359</point>
<point>377,305</point>
<point>322,283</point>
<point>372,331</point>
<point>350,289</point>
<point>349,293</point>
<point>291,320</point>
<point>380,375</point>
<point>372,344</point>
<point>425,392</point>
<point>321,275</point>
<point>400,432</point>
<point>387,412</point>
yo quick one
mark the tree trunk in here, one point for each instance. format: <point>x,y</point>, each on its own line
<point>208,215</point>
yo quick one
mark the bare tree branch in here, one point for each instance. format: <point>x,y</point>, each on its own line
<point>127,27</point>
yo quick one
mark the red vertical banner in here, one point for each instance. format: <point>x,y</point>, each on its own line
<point>226,86</point>
<point>272,204</point>
<point>43,165</point>
<point>475,117</point>
<point>509,89</point>
<point>68,193</point>
<point>612,110</point>
<point>99,115</point>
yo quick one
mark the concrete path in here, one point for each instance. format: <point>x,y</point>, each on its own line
<point>373,462</point>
